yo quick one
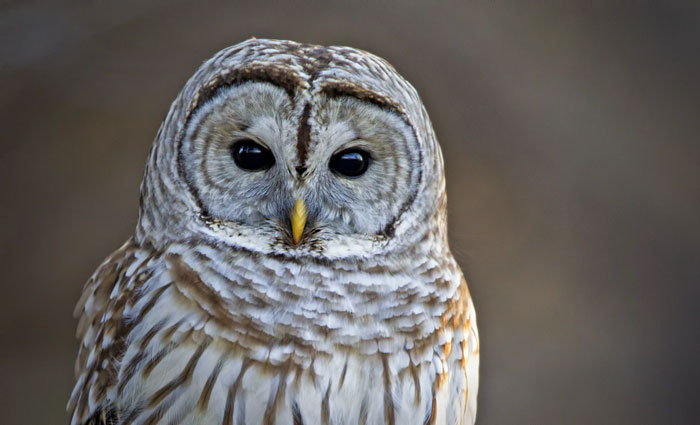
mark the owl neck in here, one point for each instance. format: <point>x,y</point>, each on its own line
<point>341,303</point>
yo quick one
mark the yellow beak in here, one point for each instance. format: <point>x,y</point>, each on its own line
<point>298,219</point>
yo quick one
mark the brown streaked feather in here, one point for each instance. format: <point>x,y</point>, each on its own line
<point>100,310</point>
<point>325,406</point>
<point>296,414</point>
<point>184,376</point>
<point>389,412</point>
<point>233,392</point>
<point>209,385</point>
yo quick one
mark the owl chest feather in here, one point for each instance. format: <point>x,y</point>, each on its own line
<point>206,345</point>
<point>209,380</point>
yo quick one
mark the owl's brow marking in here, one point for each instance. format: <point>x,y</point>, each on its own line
<point>346,88</point>
<point>261,73</point>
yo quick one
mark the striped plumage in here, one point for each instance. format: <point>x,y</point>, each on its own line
<point>203,319</point>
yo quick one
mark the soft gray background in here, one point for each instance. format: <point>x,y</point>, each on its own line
<point>570,132</point>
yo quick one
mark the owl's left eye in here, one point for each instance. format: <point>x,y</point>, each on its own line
<point>252,156</point>
<point>350,162</point>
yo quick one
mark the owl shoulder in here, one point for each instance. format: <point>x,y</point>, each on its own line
<point>101,330</point>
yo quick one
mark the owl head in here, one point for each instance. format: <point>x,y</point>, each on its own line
<point>296,150</point>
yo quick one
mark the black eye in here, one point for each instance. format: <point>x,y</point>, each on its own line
<point>251,156</point>
<point>350,162</point>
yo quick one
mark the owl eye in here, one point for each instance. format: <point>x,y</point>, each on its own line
<point>251,156</point>
<point>350,162</point>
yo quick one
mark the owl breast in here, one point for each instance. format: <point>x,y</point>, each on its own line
<point>197,355</point>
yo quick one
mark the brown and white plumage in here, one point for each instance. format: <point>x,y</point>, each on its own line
<point>214,312</point>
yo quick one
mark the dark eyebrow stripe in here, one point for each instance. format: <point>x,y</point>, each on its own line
<point>346,88</point>
<point>264,73</point>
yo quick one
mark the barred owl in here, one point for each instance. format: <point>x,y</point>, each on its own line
<point>290,264</point>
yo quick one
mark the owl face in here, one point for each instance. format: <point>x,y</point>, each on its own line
<point>293,149</point>
<point>242,159</point>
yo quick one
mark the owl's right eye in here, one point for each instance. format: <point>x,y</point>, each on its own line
<point>251,156</point>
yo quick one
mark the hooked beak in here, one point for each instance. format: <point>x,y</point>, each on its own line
<point>298,220</point>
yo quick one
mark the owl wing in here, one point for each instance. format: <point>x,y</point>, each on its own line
<point>470,362</point>
<point>106,298</point>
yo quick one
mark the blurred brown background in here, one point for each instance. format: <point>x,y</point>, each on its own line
<point>572,143</point>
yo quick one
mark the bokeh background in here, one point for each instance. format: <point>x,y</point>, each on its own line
<point>572,140</point>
